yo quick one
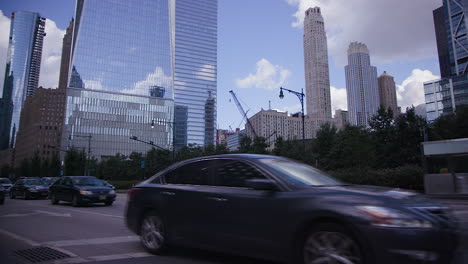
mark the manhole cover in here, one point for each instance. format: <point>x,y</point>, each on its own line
<point>40,254</point>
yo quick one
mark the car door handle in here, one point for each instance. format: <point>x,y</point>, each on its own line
<point>168,193</point>
<point>218,199</point>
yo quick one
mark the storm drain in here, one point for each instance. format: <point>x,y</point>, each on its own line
<point>39,254</point>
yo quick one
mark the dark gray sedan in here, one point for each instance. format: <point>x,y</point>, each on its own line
<point>275,208</point>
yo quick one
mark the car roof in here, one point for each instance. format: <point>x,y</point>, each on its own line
<point>242,156</point>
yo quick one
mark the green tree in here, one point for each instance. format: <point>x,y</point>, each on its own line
<point>409,135</point>
<point>245,144</point>
<point>323,144</point>
<point>74,162</point>
<point>353,148</point>
<point>384,134</point>
<point>36,165</point>
<point>54,165</point>
<point>259,146</point>
<point>451,126</point>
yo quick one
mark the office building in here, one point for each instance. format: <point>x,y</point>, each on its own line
<point>445,95</point>
<point>41,122</point>
<point>22,71</point>
<point>40,125</point>
<point>233,141</point>
<point>341,118</point>
<point>361,85</point>
<point>452,37</point>
<point>114,67</point>
<point>195,71</point>
<point>317,79</point>
<point>387,92</point>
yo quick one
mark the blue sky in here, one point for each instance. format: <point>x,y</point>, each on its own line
<point>260,47</point>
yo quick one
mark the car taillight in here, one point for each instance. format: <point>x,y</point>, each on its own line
<point>132,193</point>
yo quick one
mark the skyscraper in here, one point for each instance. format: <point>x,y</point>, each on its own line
<point>318,101</point>
<point>361,85</point>
<point>22,71</point>
<point>120,51</point>
<point>195,72</point>
<point>450,23</point>
<point>387,92</point>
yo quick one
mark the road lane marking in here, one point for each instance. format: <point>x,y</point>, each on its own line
<point>92,241</point>
<point>80,211</point>
<point>103,258</point>
<point>52,213</point>
<point>20,238</point>
<point>19,215</point>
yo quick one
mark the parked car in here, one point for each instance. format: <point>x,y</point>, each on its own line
<point>106,183</point>
<point>27,188</point>
<point>6,184</point>
<point>2,195</point>
<point>276,208</point>
<point>49,180</point>
<point>80,190</point>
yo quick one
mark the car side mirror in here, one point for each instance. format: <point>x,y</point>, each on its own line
<point>261,184</point>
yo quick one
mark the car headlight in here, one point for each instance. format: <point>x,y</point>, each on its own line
<point>86,192</point>
<point>387,217</point>
<point>112,192</point>
<point>32,189</point>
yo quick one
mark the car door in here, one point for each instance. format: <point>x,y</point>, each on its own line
<point>56,189</point>
<point>185,193</point>
<point>67,189</point>
<point>247,219</point>
<point>17,189</point>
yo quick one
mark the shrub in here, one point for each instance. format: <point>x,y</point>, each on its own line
<point>406,177</point>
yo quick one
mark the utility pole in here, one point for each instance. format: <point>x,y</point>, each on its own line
<point>301,96</point>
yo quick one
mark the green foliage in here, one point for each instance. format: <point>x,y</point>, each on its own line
<point>245,144</point>
<point>451,126</point>
<point>259,146</point>
<point>323,144</point>
<point>408,176</point>
<point>75,162</point>
<point>384,136</point>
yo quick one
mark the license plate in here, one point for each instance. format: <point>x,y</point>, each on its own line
<point>103,197</point>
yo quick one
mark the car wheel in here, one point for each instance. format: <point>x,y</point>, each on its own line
<point>75,202</point>
<point>109,203</point>
<point>153,234</point>
<point>53,199</point>
<point>12,195</point>
<point>331,244</point>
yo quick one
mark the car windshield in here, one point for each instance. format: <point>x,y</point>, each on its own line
<point>33,182</point>
<point>5,181</point>
<point>87,181</point>
<point>300,174</point>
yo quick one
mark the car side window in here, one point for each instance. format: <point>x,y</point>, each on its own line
<point>67,182</point>
<point>20,182</point>
<point>234,173</point>
<point>196,173</point>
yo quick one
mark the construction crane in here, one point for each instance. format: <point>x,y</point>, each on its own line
<point>243,113</point>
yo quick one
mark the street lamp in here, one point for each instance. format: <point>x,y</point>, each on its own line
<point>301,99</point>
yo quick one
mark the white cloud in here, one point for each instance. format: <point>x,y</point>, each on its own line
<point>206,72</point>
<point>411,91</point>
<point>5,29</point>
<point>393,30</point>
<point>267,76</point>
<point>338,99</point>
<point>158,77</point>
<point>51,55</point>
<point>291,109</point>
<point>93,84</point>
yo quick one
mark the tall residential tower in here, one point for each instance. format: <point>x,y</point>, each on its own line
<point>387,92</point>
<point>317,81</point>
<point>22,71</point>
<point>361,85</point>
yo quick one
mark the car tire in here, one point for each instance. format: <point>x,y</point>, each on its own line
<point>53,199</point>
<point>75,201</point>
<point>331,243</point>
<point>12,195</point>
<point>153,233</point>
<point>109,203</point>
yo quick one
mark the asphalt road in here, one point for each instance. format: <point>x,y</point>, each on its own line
<point>97,234</point>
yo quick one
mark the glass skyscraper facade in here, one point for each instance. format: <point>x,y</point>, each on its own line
<point>121,77</point>
<point>361,85</point>
<point>445,95</point>
<point>195,72</point>
<point>22,71</point>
